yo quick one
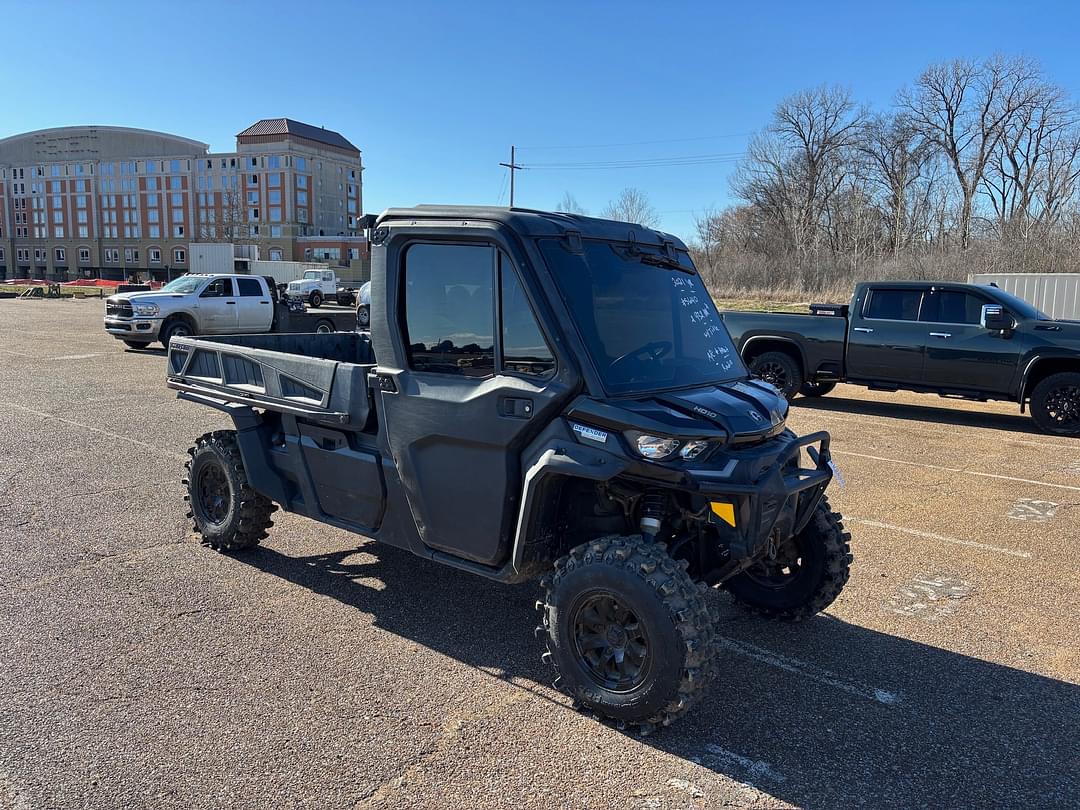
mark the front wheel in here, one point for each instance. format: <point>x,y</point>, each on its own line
<point>136,344</point>
<point>316,299</point>
<point>801,577</point>
<point>628,631</point>
<point>779,369</point>
<point>227,512</point>
<point>1055,404</point>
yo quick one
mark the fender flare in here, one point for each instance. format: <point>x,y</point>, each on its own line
<point>1022,390</point>
<point>779,339</point>
<point>560,457</point>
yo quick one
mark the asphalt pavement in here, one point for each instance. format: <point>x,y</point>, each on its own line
<point>138,669</point>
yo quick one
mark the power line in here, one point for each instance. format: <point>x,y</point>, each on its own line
<point>641,163</point>
<point>643,143</point>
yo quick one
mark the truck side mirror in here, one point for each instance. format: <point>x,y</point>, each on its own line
<point>995,318</point>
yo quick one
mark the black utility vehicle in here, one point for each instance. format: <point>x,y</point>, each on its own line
<point>969,341</point>
<point>540,396</point>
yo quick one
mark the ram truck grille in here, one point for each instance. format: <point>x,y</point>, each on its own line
<point>121,309</point>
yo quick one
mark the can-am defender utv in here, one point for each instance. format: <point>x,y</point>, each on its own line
<point>541,396</point>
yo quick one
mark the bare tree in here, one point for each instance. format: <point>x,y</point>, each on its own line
<point>569,205</point>
<point>227,222</point>
<point>798,163</point>
<point>632,205</point>
<point>964,108</point>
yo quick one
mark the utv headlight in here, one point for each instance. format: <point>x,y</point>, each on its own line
<point>693,448</point>
<point>653,448</point>
<point>145,310</point>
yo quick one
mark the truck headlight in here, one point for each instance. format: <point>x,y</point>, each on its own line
<point>653,448</point>
<point>145,310</point>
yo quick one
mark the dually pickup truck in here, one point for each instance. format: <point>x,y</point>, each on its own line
<point>210,304</point>
<point>543,396</point>
<point>956,340</point>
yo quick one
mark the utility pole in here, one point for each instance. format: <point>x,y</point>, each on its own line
<point>512,166</point>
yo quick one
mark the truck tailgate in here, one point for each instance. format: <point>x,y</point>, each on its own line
<point>319,376</point>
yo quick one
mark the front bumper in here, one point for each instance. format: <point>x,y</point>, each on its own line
<point>142,329</point>
<point>768,491</point>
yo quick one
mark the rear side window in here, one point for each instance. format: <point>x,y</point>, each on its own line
<point>951,306</point>
<point>894,305</point>
<point>524,349</point>
<point>249,286</point>
<point>450,309</point>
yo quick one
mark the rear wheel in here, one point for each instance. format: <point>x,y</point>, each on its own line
<point>315,299</point>
<point>325,326</point>
<point>227,512</point>
<point>628,631</point>
<point>1055,404</point>
<point>813,389</point>
<point>363,316</point>
<point>781,370</point>
<point>803,575</point>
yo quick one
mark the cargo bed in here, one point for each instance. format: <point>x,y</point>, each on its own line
<point>317,376</point>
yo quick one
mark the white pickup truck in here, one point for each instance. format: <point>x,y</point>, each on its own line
<point>210,304</point>
<point>321,285</point>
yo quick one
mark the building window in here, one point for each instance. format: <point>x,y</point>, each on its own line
<point>151,200</point>
<point>60,254</point>
<point>151,184</point>
<point>301,163</point>
<point>153,215</point>
<point>274,197</point>
<point>176,199</point>
<point>274,161</point>
<point>81,216</point>
<point>154,231</point>
<point>276,254</point>
<point>174,181</point>
<point>178,215</point>
<point>275,231</point>
<point>273,180</point>
<point>56,202</point>
<point>179,256</point>
<point>84,232</point>
<point>112,255</point>
<point>301,198</point>
<point>254,180</point>
<point>84,255</point>
<point>253,198</point>
<point>155,256</point>
<point>253,214</point>
<point>301,181</point>
<point>131,255</point>
<point>58,232</point>
<point>178,231</point>
<point>275,214</point>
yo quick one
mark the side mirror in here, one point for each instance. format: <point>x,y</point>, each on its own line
<point>995,318</point>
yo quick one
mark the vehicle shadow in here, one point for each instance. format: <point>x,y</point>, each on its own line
<point>823,713</point>
<point>1017,423</point>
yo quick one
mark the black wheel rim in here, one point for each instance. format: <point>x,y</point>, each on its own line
<point>610,642</point>
<point>773,373</point>
<point>780,567</point>
<point>1063,405</point>
<point>213,493</point>
<point>178,331</point>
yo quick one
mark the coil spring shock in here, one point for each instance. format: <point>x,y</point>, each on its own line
<point>652,514</point>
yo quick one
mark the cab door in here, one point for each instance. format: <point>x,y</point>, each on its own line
<point>217,307</point>
<point>885,340</point>
<point>255,309</point>
<point>961,354</point>
<point>476,382</point>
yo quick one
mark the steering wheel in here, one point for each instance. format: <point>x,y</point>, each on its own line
<point>650,352</point>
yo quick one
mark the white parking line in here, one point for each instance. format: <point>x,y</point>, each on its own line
<point>942,537</point>
<point>811,671</point>
<point>955,470</point>
<point>756,768</point>
<point>81,426</point>
<point>861,419</point>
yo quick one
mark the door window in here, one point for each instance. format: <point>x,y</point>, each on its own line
<point>894,305</point>
<point>249,286</point>
<point>524,349</point>
<point>450,309</point>
<point>218,288</point>
<point>951,306</point>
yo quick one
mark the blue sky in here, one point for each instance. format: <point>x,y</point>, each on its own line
<point>435,93</point>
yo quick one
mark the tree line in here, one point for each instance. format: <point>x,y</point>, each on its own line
<point>973,168</point>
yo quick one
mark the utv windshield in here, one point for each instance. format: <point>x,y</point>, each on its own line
<point>647,320</point>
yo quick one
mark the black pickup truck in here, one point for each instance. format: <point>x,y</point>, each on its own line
<point>956,340</point>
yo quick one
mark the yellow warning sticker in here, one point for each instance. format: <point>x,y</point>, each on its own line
<point>724,511</point>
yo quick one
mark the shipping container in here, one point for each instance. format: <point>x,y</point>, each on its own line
<point>1056,294</point>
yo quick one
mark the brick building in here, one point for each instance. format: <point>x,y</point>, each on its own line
<point>97,201</point>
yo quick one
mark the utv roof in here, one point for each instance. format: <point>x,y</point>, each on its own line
<point>530,222</point>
